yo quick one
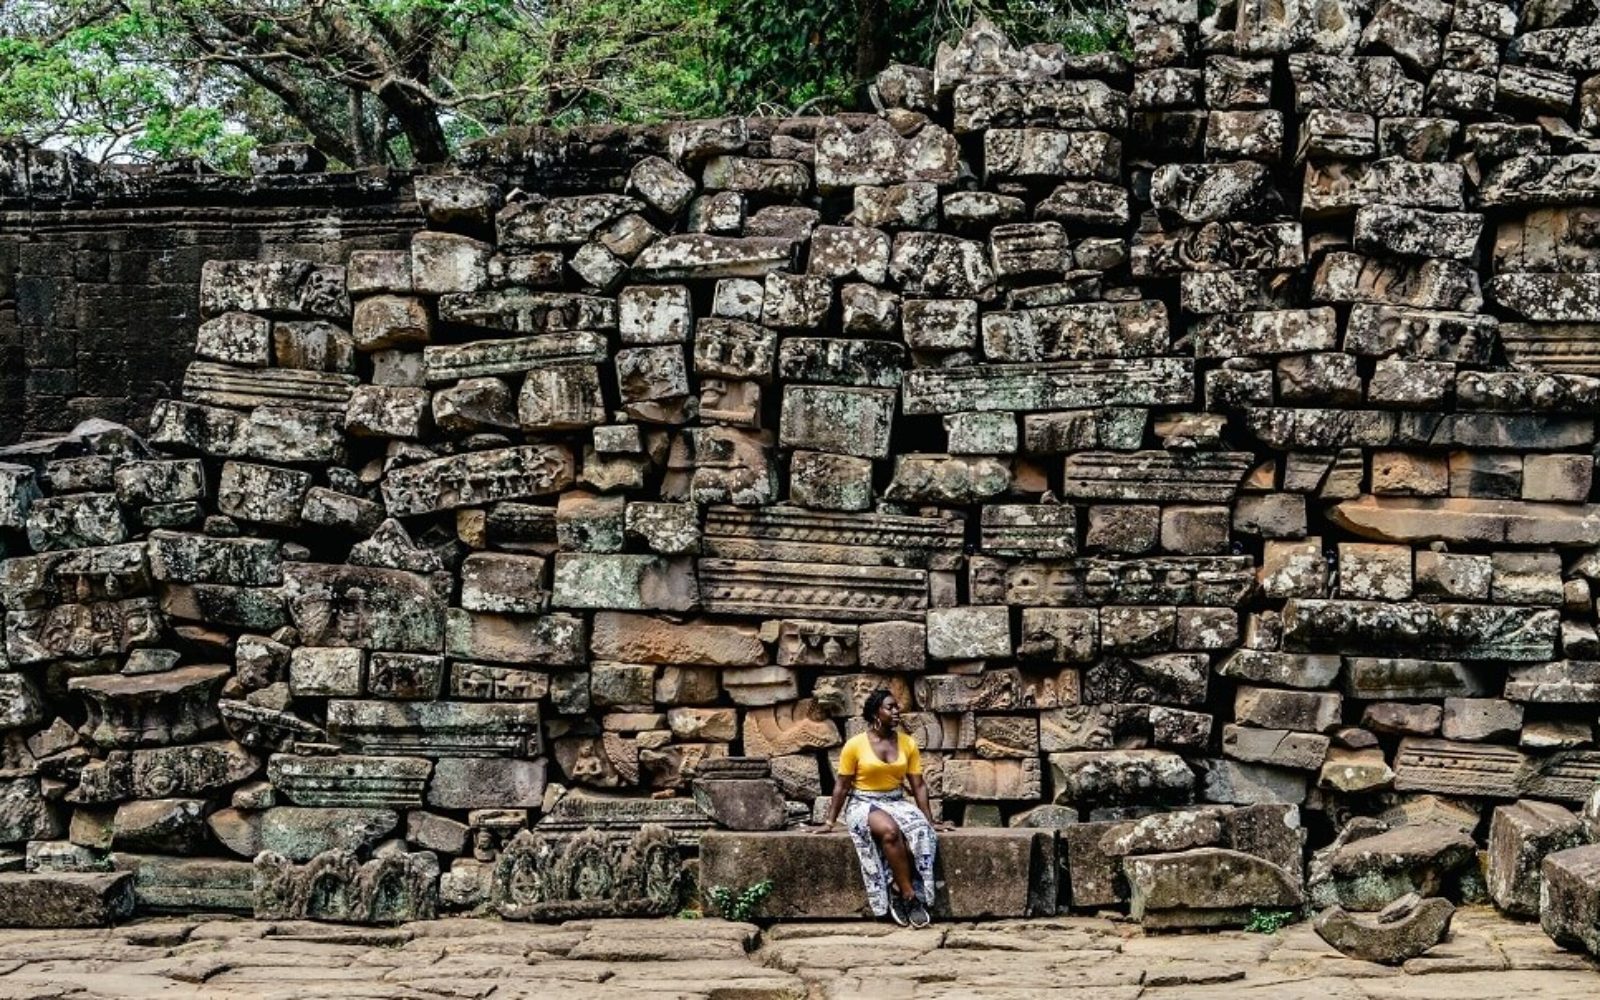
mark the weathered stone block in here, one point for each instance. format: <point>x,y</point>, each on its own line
<point>842,420</point>
<point>1569,909</point>
<point>1521,835</point>
<point>1119,777</point>
<point>985,873</point>
<point>65,899</point>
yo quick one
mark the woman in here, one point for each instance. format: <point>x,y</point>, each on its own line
<point>873,767</point>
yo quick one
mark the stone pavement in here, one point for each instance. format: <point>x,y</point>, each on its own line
<point>1486,958</point>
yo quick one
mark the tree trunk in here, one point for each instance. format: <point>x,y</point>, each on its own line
<point>419,123</point>
<point>872,38</point>
<point>358,131</point>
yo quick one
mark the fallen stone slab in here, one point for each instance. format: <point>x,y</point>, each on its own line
<point>980,873</point>
<point>1205,887</point>
<point>65,899</point>
<point>1404,929</point>
<point>1424,858</point>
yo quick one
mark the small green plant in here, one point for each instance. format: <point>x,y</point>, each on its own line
<point>739,906</point>
<point>1268,921</point>
<point>688,914</point>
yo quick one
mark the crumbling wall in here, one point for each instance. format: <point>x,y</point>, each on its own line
<point>99,266</point>
<point>1212,430</point>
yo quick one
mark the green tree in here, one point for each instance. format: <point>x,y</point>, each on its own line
<point>406,81</point>
<point>367,81</point>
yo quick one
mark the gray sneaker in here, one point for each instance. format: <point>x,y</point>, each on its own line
<point>918,914</point>
<point>900,911</point>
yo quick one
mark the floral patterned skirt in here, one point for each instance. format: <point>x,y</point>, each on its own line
<point>919,837</point>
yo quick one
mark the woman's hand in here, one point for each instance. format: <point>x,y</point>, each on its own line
<point>823,828</point>
<point>944,826</point>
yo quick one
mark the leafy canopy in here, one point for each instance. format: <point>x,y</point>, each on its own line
<point>402,81</point>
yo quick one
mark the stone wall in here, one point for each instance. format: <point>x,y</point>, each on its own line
<point>99,267</point>
<point>1200,448</point>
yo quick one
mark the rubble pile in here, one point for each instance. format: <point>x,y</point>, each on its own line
<point>1199,444</point>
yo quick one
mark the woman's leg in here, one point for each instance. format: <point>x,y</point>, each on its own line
<point>887,833</point>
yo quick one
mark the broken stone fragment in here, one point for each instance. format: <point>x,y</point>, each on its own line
<point>1404,929</point>
<point>161,826</point>
<point>1052,103</point>
<point>148,710</point>
<point>665,187</point>
<point>538,221</point>
<point>1048,153</point>
<point>655,314</point>
<point>1375,85</point>
<point>1117,777</point>
<point>842,420</point>
<point>1245,783</point>
<point>698,256</point>
<point>1087,203</point>
<point>947,478</point>
<point>1278,747</point>
<point>1387,229</point>
<point>1467,520</point>
<point>941,266</point>
<point>478,477</point>
<point>741,803</point>
<point>457,199</point>
<point>878,155</point>
<point>486,782</point>
<point>1355,772</point>
<point>1426,630</point>
<point>1199,193</point>
<point>384,321</point>
<point>1427,858</point>
<point>624,582</point>
<point>287,287</point>
<point>264,433</point>
<point>1335,188</point>
<point>75,521</point>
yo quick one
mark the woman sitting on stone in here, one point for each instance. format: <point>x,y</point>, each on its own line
<point>894,839</point>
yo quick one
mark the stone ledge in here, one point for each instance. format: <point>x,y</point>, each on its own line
<point>982,873</point>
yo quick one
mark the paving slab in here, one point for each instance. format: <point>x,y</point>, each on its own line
<point>1486,957</point>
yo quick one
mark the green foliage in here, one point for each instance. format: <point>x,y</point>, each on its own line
<point>791,55</point>
<point>591,60</point>
<point>739,906</point>
<point>1269,921</point>
<point>97,88</point>
<point>390,81</point>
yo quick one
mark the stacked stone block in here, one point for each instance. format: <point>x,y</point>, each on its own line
<point>1200,446</point>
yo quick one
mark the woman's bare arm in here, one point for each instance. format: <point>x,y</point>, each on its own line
<point>841,787</point>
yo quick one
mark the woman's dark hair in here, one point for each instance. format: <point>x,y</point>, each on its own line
<point>875,701</point>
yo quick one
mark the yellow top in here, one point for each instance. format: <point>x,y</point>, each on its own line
<point>872,774</point>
